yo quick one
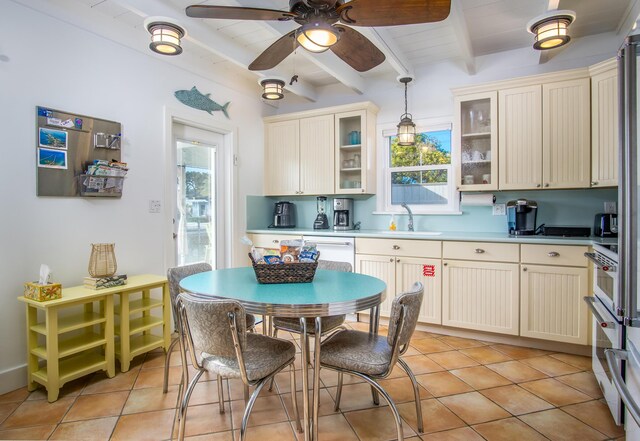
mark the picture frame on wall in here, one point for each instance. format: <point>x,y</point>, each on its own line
<point>51,138</point>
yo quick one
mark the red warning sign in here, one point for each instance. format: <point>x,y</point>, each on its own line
<point>429,270</point>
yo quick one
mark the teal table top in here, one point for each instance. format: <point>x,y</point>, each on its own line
<point>330,293</point>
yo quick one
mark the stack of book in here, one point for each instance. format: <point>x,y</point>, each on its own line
<point>105,282</point>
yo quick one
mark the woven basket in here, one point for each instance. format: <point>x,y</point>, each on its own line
<point>284,273</point>
<point>102,262</point>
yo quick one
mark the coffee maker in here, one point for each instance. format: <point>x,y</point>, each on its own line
<point>521,217</point>
<point>321,222</point>
<point>343,214</point>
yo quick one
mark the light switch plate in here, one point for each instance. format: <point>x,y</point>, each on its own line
<point>610,207</point>
<point>499,210</point>
<point>154,206</point>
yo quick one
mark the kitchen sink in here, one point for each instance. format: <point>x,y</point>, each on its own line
<point>412,233</point>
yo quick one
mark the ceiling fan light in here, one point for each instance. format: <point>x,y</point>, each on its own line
<point>317,37</point>
<point>551,30</point>
<point>272,89</point>
<point>165,38</point>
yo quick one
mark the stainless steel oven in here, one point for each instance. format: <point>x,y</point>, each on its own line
<point>605,277</point>
<point>608,333</point>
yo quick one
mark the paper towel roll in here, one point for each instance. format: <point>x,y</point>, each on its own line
<point>482,199</point>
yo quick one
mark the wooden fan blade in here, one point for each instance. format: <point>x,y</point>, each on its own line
<point>356,50</point>
<point>237,13</point>
<point>275,53</point>
<point>393,13</point>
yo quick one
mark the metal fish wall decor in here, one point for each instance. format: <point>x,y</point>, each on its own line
<point>193,98</point>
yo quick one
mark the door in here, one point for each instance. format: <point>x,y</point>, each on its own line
<point>551,303</point>
<point>384,268</point>
<point>481,295</point>
<point>520,138</point>
<point>604,129</point>
<point>316,155</point>
<point>428,271</point>
<point>566,131</point>
<point>282,158</point>
<point>196,204</point>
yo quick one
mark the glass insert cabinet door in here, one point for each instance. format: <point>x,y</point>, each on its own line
<point>475,140</point>
<point>351,152</point>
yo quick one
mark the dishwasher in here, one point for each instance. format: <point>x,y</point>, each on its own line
<point>339,249</point>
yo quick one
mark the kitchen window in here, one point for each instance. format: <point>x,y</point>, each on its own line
<point>420,175</point>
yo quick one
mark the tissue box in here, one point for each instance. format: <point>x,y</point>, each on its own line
<point>41,293</point>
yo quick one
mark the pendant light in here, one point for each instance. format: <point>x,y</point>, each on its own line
<point>165,35</point>
<point>406,127</point>
<point>550,30</point>
<point>272,89</point>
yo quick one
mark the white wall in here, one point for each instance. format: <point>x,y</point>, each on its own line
<point>46,62</point>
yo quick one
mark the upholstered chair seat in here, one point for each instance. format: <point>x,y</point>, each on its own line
<point>357,351</point>
<point>292,324</point>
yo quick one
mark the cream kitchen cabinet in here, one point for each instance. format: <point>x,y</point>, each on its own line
<point>604,124</point>
<point>551,305</point>
<point>271,240</point>
<point>299,156</point>
<point>400,271</point>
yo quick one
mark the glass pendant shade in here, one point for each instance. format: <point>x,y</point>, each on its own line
<point>406,131</point>
<point>165,38</point>
<point>102,262</point>
<point>551,31</point>
<point>272,89</point>
<point>317,37</point>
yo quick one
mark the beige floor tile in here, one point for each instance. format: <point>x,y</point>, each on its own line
<point>417,334</point>
<point>461,343</point>
<point>519,352</point>
<point>435,416</point>
<point>461,434</point>
<point>156,360</point>
<point>355,397</point>
<point>452,360</point>
<point>485,355</point>
<point>90,430</point>
<point>550,366</point>
<point>421,364</point>
<point>37,413</point>
<point>206,419</point>
<point>430,345</point>
<point>28,433</point>
<point>220,436</point>
<point>332,428</point>
<point>96,406</point>
<point>206,392</point>
<point>479,377</point>
<point>583,381</point>
<point>554,392</point>
<point>516,400</point>
<point>440,384</point>
<point>149,426</point>
<point>376,424</point>
<point>401,390</point>
<point>597,415</point>
<point>152,398</point>
<point>326,404</point>
<point>516,371</point>
<point>276,432</point>
<point>266,410</point>
<point>559,426</point>
<point>510,429</point>
<point>18,395</point>
<point>411,351</point>
<point>154,377</point>
<point>574,360</point>
<point>7,409</point>
<point>70,389</point>
<point>474,408</point>
<point>100,383</point>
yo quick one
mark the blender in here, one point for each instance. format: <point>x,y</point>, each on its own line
<point>321,222</point>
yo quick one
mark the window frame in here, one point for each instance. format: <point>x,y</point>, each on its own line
<point>384,206</point>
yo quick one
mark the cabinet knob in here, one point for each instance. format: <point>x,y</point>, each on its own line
<point>538,185</point>
<point>301,192</point>
<point>276,241</point>
<point>396,247</point>
<point>391,259</point>
<point>553,254</point>
<point>546,184</point>
<point>479,251</point>
<point>363,190</point>
<point>524,269</point>
<point>397,260</point>
<point>445,264</point>
<point>594,183</point>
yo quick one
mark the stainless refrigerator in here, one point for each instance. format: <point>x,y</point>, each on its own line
<point>627,382</point>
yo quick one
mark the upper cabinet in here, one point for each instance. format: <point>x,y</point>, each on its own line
<point>325,151</point>
<point>476,141</point>
<point>604,124</point>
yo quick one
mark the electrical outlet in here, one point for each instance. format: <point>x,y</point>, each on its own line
<point>499,210</point>
<point>610,207</point>
<point>154,206</point>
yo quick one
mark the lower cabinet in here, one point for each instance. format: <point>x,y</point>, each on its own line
<point>400,273</point>
<point>481,295</point>
<point>551,303</point>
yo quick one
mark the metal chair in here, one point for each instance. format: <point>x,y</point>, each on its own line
<point>175,276</point>
<point>214,331</point>
<point>371,357</point>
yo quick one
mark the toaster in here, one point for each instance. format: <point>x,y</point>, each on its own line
<point>606,225</point>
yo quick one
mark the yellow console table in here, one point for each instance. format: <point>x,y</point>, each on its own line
<point>70,339</point>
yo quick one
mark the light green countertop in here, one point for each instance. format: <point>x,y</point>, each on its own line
<point>445,235</point>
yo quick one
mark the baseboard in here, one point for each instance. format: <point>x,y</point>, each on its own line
<point>13,379</point>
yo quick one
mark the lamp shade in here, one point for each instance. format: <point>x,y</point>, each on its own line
<point>551,29</point>
<point>406,131</point>
<point>317,36</point>
<point>272,89</point>
<point>165,38</point>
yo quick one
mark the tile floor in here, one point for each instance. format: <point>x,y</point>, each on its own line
<point>470,390</point>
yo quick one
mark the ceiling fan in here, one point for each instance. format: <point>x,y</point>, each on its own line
<point>322,29</point>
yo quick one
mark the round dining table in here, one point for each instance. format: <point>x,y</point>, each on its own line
<point>330,293</point>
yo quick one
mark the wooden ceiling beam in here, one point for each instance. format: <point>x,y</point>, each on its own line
<point>459,24</point>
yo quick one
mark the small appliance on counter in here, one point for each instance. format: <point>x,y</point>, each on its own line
<point>521,217</point>
<point>284,215</point>
<point>343,214</point>
<point>564,231</point>
<point>321,222</point>
<point>606,225</point>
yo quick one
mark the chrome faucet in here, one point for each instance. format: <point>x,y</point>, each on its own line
<point>406,207</point>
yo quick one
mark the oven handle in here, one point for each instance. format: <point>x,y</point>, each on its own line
<point>612,356</point>
<point>601,321</point>
<point>339,244</point>
<point>598,264</point>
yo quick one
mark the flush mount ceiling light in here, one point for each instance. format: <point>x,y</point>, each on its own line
<point>165,35</point>
<point>317,36</point>
<point>550,29</point>
<point>272,89</point>
<point>406,127</point>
